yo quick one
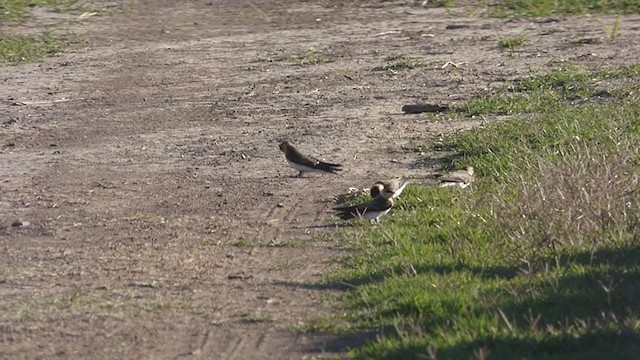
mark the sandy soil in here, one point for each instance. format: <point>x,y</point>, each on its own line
<point>160,219</point>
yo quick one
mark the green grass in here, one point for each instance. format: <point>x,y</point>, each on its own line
<point>554,90</point>
<point>310,58</point>
<point>535,8</point>
<point>512,43</point>
<point>539,259</point>
<point>20,48</point>
<point>401,62</point>
<point>17,48</point>
<point>19,10</point>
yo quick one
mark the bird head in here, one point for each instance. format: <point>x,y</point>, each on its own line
<point>284,146</point>
<point>470,170</point>
<point>403,180</point>
<point>376,189</point>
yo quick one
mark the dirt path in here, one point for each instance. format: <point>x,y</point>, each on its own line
<point>163,221</point>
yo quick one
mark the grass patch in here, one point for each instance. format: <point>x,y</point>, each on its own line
<point>536,8</point>
<point>310,58</point>
<point>584,41</point>
<point>257,317</point>
<point>20,48</point>
<point>127,303</point>
<point>512,43</point>
<point>554,90</point>
<point>20,10</point>
<point>17,48</point>
<point>400,62</point>
<point>538,260</point>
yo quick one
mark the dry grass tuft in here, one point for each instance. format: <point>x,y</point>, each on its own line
<point>583,201</point>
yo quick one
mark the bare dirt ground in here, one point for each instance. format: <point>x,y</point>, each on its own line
<point>159,218</point>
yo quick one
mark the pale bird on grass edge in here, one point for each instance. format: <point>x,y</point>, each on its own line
<point>304,163</point>
<point>462,178</point>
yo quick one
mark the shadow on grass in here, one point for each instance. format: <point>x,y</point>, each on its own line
<point>437,163</point>
<point>586,309</point>
<point>351,283</point>
<point>592,346</point>
<point>339,343</point>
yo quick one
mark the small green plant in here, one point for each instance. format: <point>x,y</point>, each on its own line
<point>400,62</point>
<point>512,43</point>
<point>613,31</point>
<point>310,58</point>
<point>584,41</point>
<point>442,3</point>
<point>257,318</point>
<point>246,14</point>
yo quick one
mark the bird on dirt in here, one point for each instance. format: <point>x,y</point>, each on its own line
<point>371,210</point>
<point>304,163</point>
<point>396,185</point>
<point>462,178</point>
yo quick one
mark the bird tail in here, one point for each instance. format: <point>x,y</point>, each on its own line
<point>345,212</point>
<point>328,167</point>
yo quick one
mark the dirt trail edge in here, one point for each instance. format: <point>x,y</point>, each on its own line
<point>158,217</point>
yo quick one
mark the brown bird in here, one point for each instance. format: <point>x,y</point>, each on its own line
<point>305,163</point>
<point>372,209</point>
<point>396,185</point>
<point>462,178</point>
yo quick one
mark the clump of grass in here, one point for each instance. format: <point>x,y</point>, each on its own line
<point>20,48</point>
<point>584,41</point>
<point>546,92</point>
<point>614,30</point>
<point>400,62</point>
<point>257,318</point>
<point>310,58</point>
<point>512,43</point>
<point>19,10</point>
<point>583,200</point>
<point>536,8</point>
<point>246,14</point>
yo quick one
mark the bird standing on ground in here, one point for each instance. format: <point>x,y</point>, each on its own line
<point>462,178</point>
<point>305,163</point>
<point>396,185</point>
<point>372,209</point>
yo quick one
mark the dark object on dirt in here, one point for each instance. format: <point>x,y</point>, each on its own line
<point>18,223</point>
<point>421,108</point>
<point>456,26</point>
<point>6,121</point>
<point>239,275</point>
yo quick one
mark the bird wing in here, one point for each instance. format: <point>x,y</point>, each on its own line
<point>456,176</point>
<point>379,203</point>
<point>297,157</point>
